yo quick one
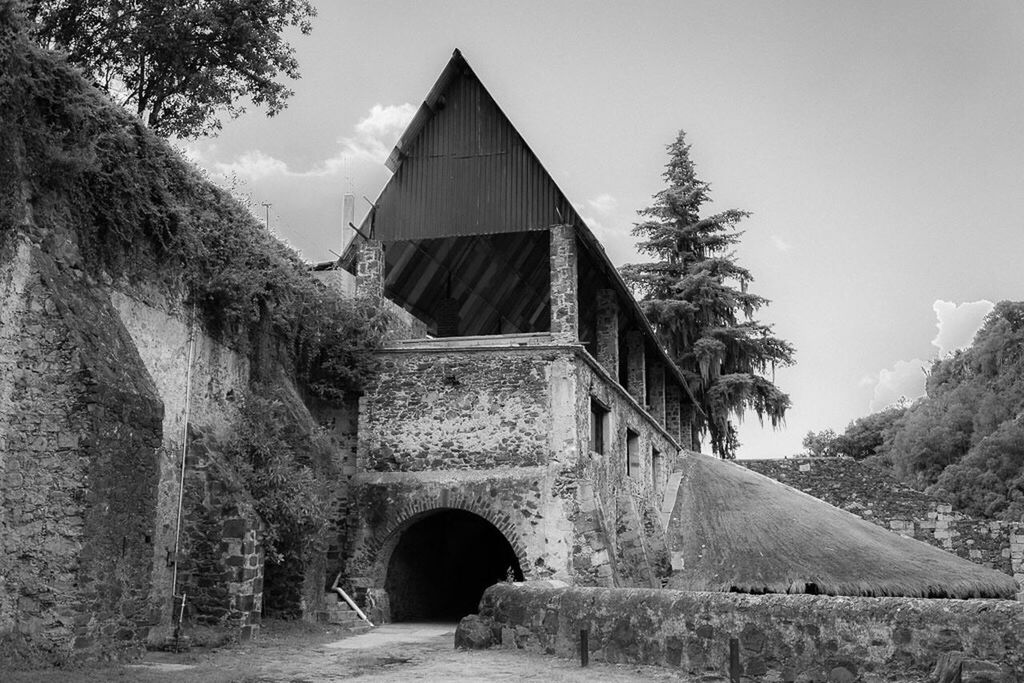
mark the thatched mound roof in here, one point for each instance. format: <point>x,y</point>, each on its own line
<point>741,531</point>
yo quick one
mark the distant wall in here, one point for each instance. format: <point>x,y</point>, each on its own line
<point>781,637</point>
<point>876,496</point>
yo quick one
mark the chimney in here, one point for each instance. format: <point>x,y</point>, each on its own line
<point>348,216</point>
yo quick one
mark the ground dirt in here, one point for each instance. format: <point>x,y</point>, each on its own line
<point>296,652</point>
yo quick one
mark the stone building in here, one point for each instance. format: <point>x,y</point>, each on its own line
<point>527,425</point>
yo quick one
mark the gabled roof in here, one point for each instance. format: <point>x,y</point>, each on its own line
<point>462,169</point>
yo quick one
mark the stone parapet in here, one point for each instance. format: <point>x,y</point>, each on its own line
<point>779,637</point>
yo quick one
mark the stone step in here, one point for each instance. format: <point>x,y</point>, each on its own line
<point>339,618</point>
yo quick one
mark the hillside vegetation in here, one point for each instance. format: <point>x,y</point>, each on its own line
<point>112,204</point>
<point>92,186</point>
<point>963,441</point>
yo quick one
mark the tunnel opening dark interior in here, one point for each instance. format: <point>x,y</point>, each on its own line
<point>442,564</point>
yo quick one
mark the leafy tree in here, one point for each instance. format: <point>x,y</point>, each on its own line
<point>821,444</point>
<point>867,436</point>
<point>695,296</point>
<point>989,480</point>
<point>178,65</point>
<point>964,439</point>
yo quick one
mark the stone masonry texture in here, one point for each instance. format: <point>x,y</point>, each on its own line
<point>780,637</point>
<point>564,282</point>
<point>456,410</point>
<point>79,433</point>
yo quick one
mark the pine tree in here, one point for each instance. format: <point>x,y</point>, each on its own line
<point>695,296</point>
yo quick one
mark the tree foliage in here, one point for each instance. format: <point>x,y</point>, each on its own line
<point>276,456</point>
<point>821,444</point>
<point>870,435</point>
<point>696,297</point>
<point>965,439</point>
<point>178,65</point>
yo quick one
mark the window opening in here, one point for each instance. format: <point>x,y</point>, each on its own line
<point>598,426</point>
<point>632,453</point>
<point>655,470</point>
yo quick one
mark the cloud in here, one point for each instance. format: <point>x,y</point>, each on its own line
<point>306,200</point>
<point>905,378</point>
<point>377,132</point>
<point>254,165</point>
<point>372,141</point>
<point>603,203</point>
<point>958,323</point>
<point>781,244</point>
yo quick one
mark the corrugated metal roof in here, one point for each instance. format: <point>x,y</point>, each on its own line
<point>461,168</point>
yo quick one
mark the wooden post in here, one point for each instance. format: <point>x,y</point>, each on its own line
<point>584,647</point>
<point>734,660</point>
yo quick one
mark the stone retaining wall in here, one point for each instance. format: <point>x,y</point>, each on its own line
<point>80,426</point>
<point>781,637</point>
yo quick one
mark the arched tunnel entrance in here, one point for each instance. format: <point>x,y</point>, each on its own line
<point>443,562</point>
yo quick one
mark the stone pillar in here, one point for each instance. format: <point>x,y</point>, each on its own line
<point>564,297</point>
<point>608,331</point>
<point>673,416</point>
<point>656,383</point>
<point>370,270</point>
<point>636,374</point>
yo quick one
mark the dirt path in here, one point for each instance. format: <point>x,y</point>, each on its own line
<point>393,652</point>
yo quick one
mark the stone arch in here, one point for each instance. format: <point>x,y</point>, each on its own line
<point>382,544</point>
<point>435,555</point>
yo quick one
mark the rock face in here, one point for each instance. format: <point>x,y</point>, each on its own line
<point>473,633</point>
<point>953,667</point>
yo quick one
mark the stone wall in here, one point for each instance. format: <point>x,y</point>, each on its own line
<point>619,540</point>
<point>92,408</point>
<point>878,497</point>
<point>780,637</point>
<point>434,409</point>
<point>500,427</point>
<point>220,377</point>
<point>80,426</point>
<point>220,570</point>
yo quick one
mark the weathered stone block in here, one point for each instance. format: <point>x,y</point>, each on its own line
<point>473,633</point>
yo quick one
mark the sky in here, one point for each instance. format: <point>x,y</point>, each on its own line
<point>878,145</point>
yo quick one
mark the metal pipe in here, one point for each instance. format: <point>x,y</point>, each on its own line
<point>351,603</point>
<point>184,447</point>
